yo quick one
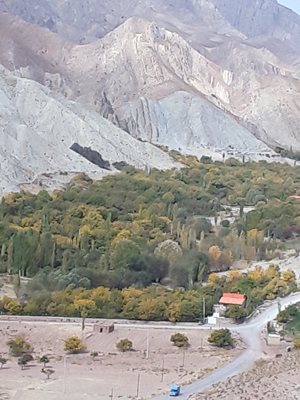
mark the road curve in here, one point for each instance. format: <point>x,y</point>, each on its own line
<point>250,333</point>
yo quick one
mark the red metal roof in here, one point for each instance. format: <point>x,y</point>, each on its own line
<point>232,298</point>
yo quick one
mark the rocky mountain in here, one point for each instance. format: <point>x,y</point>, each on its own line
<point>264,21</point>
<point>199,76</point>
<point>156,63</point>
<point>141,54</point>
<point>37,130</point>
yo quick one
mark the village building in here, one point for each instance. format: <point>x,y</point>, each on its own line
<point>234,299</point>
<point>104,327</point>
<point>228,299</point>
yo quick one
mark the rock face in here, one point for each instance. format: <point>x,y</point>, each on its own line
<point>82,21</point>
<point>252,85</point>
<point>264,20</point>
<point>200,76</point>
<point>196,126</point>
<point>37,131</point>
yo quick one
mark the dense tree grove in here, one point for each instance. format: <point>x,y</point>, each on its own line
<point>140,228</point>
<point>157,302</point>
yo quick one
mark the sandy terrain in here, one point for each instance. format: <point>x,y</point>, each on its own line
<point>278,379</point>
<point>112,372</point>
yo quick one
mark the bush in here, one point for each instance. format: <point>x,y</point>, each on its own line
<point>94,354</point>
<point>292,310</point>
<point>235,312</point>
<point>180,340</point>
<point>24,360</point>
<point>124,345</point>
<point>283,316</point>
<point>3,361</point>
<point>74,345</point>
<point>297,344</point>
<point>221,338</point>
<point>19,346</point>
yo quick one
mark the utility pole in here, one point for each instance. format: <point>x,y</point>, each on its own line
<point>279,305</point>
<point>183,358</point>
<point>162,369</point>
<point>138,385</point>
<point>111,394</point>
<point>147,349</point>
<point>65,371</point>
<point>204,309</point>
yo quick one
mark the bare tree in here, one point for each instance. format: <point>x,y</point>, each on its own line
<point>45,360</point>
<point>48,372</point>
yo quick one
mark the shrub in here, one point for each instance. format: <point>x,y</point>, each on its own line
<point>19,346</point>
<point>3,361</point>
<point>74,345</point>
<point>94,354</point>
<point>283,316</point>
<point>221,338</point>
<point>297,344</point>
<point>124,345</point>
<point>24,360</point>
<point>235,312</point>
<point>180,340</point>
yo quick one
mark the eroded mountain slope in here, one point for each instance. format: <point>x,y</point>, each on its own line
<point>37,131</point>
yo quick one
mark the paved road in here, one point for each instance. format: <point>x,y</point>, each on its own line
<point>250,333</point>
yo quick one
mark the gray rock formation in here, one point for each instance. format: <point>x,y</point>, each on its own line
<point>37,130</point>
<point>195,127</point>
<point>202,76</point>
<point>83,21</point>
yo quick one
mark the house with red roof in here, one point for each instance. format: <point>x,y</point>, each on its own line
<point>227,299</point>
<point>233,299</point>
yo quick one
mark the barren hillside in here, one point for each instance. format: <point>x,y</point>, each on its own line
<point>206,77</point>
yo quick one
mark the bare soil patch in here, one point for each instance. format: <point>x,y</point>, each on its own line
<point>275,379</point>
<point>123,375</point>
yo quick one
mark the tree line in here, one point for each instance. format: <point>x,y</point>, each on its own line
<point>158,302</point>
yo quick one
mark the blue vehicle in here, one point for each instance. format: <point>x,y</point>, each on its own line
<point>174,390</point>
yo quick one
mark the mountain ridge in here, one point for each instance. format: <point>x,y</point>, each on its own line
<point>202,89</point>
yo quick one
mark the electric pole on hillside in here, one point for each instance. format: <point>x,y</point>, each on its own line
<point>204,310</point>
